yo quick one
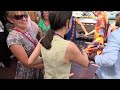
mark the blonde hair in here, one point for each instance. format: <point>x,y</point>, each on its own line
<point>105,15</point>
<point>10,14</point>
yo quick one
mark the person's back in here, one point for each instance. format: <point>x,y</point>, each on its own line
<point>54,60</point>
<point>58,53</point>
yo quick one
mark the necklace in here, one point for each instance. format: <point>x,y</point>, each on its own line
<point>32,40</point>
<point>58,35</point>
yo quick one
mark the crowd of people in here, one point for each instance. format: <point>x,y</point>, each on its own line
<point>44,44</point>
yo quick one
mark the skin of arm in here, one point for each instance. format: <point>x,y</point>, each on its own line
<point>19,52</point>
<point>83,27</point>
<point>91,32</point>
<point>38,61</point>
<point>35,54</point>
<point>74,54</point>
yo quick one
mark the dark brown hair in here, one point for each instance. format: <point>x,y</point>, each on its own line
<point>42,14</point>
<point>117,19</point>
<point>57,20</point>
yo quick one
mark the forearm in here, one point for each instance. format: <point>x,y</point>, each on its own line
<point>39,60</point>
<point>35,55</point>
<point>36,64</point>
<point>82,26</point>
<point>92,31</point>
<point>84,29</point>
<point>40,66</point>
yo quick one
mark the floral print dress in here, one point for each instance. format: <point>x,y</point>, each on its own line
<point>16,37</point>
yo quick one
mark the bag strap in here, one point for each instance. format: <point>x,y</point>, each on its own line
<point>33,41</point>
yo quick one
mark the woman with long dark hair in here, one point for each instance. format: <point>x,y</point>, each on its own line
<point>58,53</point>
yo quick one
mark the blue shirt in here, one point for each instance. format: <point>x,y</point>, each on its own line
<point>69,34</point>
<point>109,60</point>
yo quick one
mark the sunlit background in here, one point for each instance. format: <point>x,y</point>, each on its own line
<point>89,16</point>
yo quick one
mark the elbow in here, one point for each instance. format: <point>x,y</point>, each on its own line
<point>111,61</point>
<point>29,62</point>
<point>108,64</point>
<point>86,64</point>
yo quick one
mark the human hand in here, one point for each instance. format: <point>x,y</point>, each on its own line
<point>100,47</point>
<point>92,55</point>
<point>71,74</point>
<point>87,34</point>
<point>91,51</point>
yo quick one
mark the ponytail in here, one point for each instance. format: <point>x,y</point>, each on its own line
<point>46,41</point>
<point>57,20</point>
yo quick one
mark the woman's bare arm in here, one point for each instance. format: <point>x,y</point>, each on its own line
<point>82,26</point>
<point>19,52</point>
<point>74,54</point>
<point>33,59</point>
<point>91,32</point>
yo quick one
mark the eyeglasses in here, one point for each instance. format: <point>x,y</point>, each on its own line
<point>20,17</point>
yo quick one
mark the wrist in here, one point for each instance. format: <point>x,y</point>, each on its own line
<point>85,54</point>
<point>84,51</point>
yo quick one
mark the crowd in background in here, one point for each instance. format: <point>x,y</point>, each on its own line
<point>44,44</point>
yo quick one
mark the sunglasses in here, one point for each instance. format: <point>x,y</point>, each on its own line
<point>20,17</point>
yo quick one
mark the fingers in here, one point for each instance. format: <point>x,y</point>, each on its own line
<point>87,34</point>
<point>71,74</point>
